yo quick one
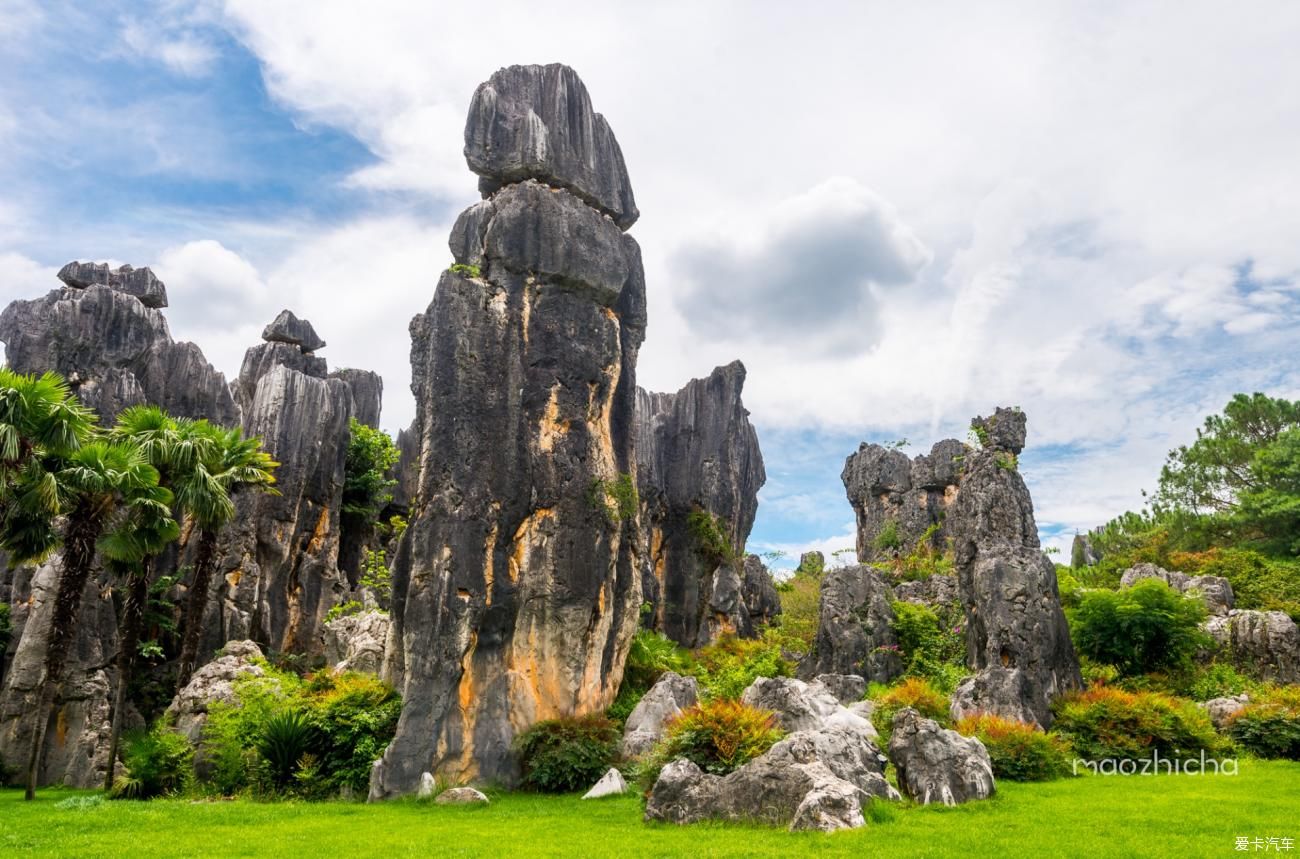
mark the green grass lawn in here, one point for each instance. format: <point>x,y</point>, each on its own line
<point>1168,815</point>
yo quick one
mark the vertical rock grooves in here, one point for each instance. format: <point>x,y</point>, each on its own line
<point>515,587</point>
<point>698,455</point>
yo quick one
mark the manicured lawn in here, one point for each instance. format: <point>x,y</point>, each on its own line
<point>1168,815</point>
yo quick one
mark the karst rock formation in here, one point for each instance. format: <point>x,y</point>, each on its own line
<point>900,501</point>
<point>1017,639</point>
<point>104,330</point>
<point>699,472</point>
<point>516,586</point>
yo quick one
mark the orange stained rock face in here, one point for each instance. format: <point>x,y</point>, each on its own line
<point>321,531</point>
<point>61,727</point>
<point>528,534</point>
<point>551,427</point>
<point>489,553</point>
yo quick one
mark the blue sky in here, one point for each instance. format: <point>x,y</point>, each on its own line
<point>898,218</point>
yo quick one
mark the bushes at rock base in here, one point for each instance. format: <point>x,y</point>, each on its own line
<point>1269,726</point>
<point>915,692</point>
<point>719,736</point>
<point>1105,723</point>
<point>349,718</point>
<point>563,755</point>
<point>158,763</point>
<point>727,667</point>
<point>1018,751</point>
<point>932,642</point>
<point>1148,627</point>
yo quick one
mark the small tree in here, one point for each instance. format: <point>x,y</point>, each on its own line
<point>1147,627</point>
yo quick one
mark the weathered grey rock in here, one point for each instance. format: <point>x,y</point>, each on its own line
<point>1014,619</point>
<point>461,796</point>
<point>938,765</point>
<point>277,561</point>
<point>356,642</point>
<point>935,591</point>
<point>141,284</point>
<point>537,122</point>
<point>516,586</point>
<point>214,683</point>
<point>1008,692</point>
<point>367,390</point>
<point>855,632</point>
<point>798,706</point>
<point>809,780</point>
<point>847,688</point>
<point>698,461</point>
<point>427,786</point>
<point>1264,644</point>
<point>1084,551</point>
<point>288,328</point>
<point>1221,710</point>
<point>407,472</point>
<point>910,496</point>
<point>1215,590</point>
<point>115,352</point>
<point>670,695</point>
<point>610,784</point>
<point>265,357</point>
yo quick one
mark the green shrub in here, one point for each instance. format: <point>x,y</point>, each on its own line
<point>355,717</point>
<point>343,609</point>
<point>727,667</point>
<point>286,737</point>
<point>1258,581</point>
<point>616,499</point>
<point>1017,750</point>
<point>915,692</point>
<point>562,755</point>
<point>796,626</point>
<point>376,576</point>
<point>888,538</point>
<point>467,270</point>
<point>711,541</point>
<point>1215,680</point>
<point>1105,723</point>
<point>650,655</point>
<point>718,736</point>
<point>1097,673</point>
<point>158,763</point>
<point>933,646</point>
<point>1140,629</point>
<point>1269,726</point>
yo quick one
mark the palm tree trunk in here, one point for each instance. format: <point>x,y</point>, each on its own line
<point>78,557</point>
<point>137,592</point>
<point>205,558</point>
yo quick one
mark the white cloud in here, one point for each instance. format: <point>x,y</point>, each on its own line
<point>183,52</point>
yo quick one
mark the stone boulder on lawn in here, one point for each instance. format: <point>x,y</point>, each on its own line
<point>669,696</point>
<point>938,765</point>
<point>213,683</point>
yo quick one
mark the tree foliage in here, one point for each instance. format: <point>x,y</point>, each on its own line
<point>367,482</point>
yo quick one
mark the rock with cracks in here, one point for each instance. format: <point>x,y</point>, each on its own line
<point>1017,640</point>
<point>516,586</point>
<point>699,473</point>
<point>936,765</point>
<point>1216,591</point>
<point>670,695</point>
<point>901,502</point>
<point>855,627</point>
<point>1263,644</point>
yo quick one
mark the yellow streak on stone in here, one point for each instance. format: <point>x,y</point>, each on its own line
<point>321,531</point>
<point>525,537</point>
<point>233,577</point>
<point>551,427</point>
<point>489,549</point>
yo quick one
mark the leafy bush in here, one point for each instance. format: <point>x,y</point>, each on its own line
<point>355,717</point>
<point>718,736</point>
<point>158,763</point>
<point>796,626</point>
<point>915,692</point>
<point>728,666</point>
<point>711,541</point>
<point>1018,751</point>
<point>1269,726</point>
<point>376,576</point>
<point>367,481</point>
<point>933,646</point>
<point>286,737</point>
<point>343,609</point>
<point>1140,629</point>
<point>562,755</point>
<point>922,561</point>
<point>650,655</point>
<point>1258,581</point>
<point>888,538</point>
<point>616,499</point>
<point>348,719</point>
<point>1105,723</point>
<point>1215,680</point>
<point>467,270</point>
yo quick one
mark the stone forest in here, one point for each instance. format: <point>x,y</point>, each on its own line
<point>243,588</point>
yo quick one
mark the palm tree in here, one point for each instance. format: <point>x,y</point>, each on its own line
<point>229,465</point>
<point>93,481</point>
<point>146,529</point>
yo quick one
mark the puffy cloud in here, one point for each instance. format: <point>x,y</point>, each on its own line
<point>183,52</point>
<point>808,272</point>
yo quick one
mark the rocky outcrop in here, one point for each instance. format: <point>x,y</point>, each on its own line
<point>898,501</point>
<point>816,779</point>
<point>1084,551</point>
<point>516,586</point>
<point>670,695</point>
<point>758,593</point>
<point>1016,634</point>
<point>1221,710</point>
<point>1264,644</point>
<point>855,627</point>
<point>536,122</point>
<point>699,472</point>
<point>214,683</point>
<point>798,706</point>
<point>1216,591</point>
<point>356,642</point>
<point>938,765</point>
<point>367,390</point>
<point>142,284</point>
<point>288,328</point>
<point>278,558</point>
<point>114,346</point>
<point>934,591</point>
